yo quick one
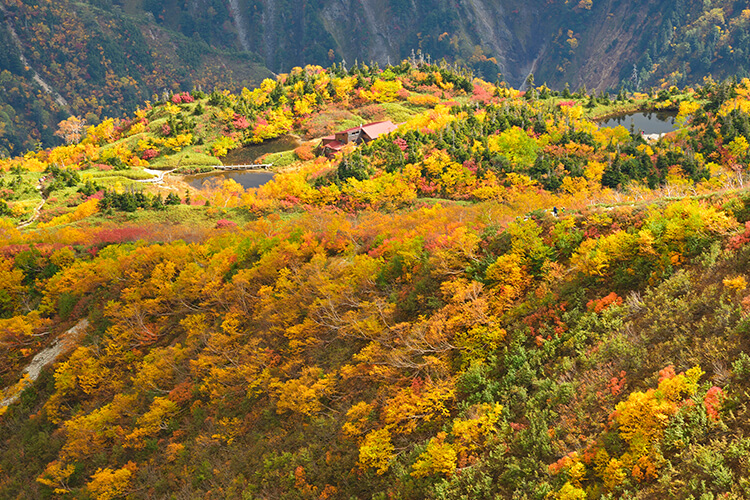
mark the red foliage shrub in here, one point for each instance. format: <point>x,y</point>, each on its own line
<point>121,235</point>
<point>599,305</point>
<point>99,195</point>
<point>401,143</point>
<point>10,251</point>
<point>240,122</point>
<point>166,129</point>
<point>471,166</point>
<point>481,94</point>
<point>615,385</point>
<point>667,373</point>
<point>305,152</point>
<point>122,125</point>
<point>182,98</point>
<point>739,240</point>
<point>426,187</point>
<point>562,463</point>
<point>150,153</point>
<point>182,393</point>
<point>225,224</point>
<point>547,316</point>
<point>713,401</point>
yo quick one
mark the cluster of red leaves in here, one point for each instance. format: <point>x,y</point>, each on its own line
<point>123,125</point>
<point>471,166</point>
<point>667,373</point>
<point>121,234</point>
<point>546,316</point>
<point>561,464</point>
<point>615,384</point>
<point>99,195</point>
<point>150,153</point>
<point>598,305</point>
<point>225,224</point>
<point>741,239</point>
<point>182,98</point>
<point>372,112</point>
<point>426,187</point>
<point>481,94</point>
<point>181,393</point>
<point>240,122</point>
<point>713,401</point>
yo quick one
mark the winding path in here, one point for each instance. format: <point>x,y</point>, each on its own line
<point>159,179</point>
<point>38,209</point>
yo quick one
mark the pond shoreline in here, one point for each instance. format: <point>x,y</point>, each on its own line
<point>248,179</point>
<point>631,111</point>
<point>648,122</point>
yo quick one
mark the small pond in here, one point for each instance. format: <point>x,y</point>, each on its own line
<point>649,122</point>
<point>245,178</point>
<point>244,156</point>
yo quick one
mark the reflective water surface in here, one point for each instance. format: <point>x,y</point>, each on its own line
<point>246,178</point>
<point>649,122</point>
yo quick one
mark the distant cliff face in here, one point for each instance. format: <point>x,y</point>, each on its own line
<point>602,44</point>
<point>102,57</point>
<point>493,37</point>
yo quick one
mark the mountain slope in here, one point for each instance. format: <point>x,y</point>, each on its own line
<point>500,298</point>
<point>95,62</point>
<point>103,56</point>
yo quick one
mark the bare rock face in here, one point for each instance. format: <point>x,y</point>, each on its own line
<point>506,35</point>
<point>586,43</point>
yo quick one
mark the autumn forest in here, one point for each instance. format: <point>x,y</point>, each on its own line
<point>502,298</point>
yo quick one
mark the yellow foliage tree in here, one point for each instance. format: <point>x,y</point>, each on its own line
<point>356,419</point>
<point>376,451</point>
<point>302,395</point>
<point>382,91</point>
<point>438,458</point>
<point>56,476</point>
<point>70,129</point>
<point>409,408</point>
<point>153,421</point>
<point>107,484</point>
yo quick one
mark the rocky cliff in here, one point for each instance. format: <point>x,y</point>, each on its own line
<point>101,57</point>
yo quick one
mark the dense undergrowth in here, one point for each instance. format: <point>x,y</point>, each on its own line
<point>499,299</point>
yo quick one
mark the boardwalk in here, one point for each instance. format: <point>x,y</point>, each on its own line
<point>260,166</point>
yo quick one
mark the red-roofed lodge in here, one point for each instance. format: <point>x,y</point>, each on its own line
<point>332,144</point>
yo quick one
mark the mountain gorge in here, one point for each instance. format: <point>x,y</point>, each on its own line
<point>102,57</point>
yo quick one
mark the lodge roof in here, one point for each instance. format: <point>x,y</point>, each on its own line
<point>374,129</point>
<point>335,145</point>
